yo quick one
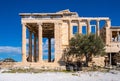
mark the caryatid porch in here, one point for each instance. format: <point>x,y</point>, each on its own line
<point>54,25</point>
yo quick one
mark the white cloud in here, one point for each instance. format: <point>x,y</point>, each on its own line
<point>10,49</point>
<point>17,50</point>
<point>45,45</point>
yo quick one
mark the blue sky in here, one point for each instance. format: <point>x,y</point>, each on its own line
<point>10,25</point>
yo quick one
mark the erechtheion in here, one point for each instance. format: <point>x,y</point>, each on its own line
<point>60,26</point>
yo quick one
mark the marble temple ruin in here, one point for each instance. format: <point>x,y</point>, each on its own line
<point>59,26</point>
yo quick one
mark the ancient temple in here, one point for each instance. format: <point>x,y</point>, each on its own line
<point>60,26</point>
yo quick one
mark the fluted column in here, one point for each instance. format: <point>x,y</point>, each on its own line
<point>37,52</point>
<point>111,36</point>
<point>30,46</point>
<point>97,28</point>
<point>88,27</point>
<point>69,29</point>
<point>35,38</point>
<point>40,42</point>
<point>49,49</point>
<point>24,42</point>
<point>79,27</point>
<point>117,33</point>
<point>108,25</point>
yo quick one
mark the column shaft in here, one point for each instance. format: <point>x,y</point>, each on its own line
<point>30,46</point>
<point>108,25</point>
<point>117,33</point>
<point>97,28</point>
<point>79,27</point>
<point>24,43</point>
<point>35,57</point>
<point>40,42</point>
<point>111,36</point>
<point>88,27</point>
<point>49,49</point>
<point>70,33</point>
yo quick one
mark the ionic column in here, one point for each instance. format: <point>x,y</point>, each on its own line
<point>49,49</point>
<point>79,27</point>
<point>24,43</point>
<point>88,27</point>
<point>35,38</point>
<point>111,36</point>
<point>117,35</point>
<point>30,46</point>
<point>69,29</point>
<point>108,23</point>
<point>97,28</point>
<point>40,42</point>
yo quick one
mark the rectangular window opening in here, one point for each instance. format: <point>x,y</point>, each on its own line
<point>93,29</point>
<point>75,29</point>
<point>84,30</point>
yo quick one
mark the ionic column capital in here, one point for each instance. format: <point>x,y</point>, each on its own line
<point>39,23</point>
<point>69,21</point>
<point>79,20</point>
<point>24,23</point>
<point>108,20</point>
<point>97,20</point>
<point>88,20</point>
<point>108,23</point>
<point>58,23</point>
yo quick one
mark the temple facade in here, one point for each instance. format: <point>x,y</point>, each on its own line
<point>61,26</point>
